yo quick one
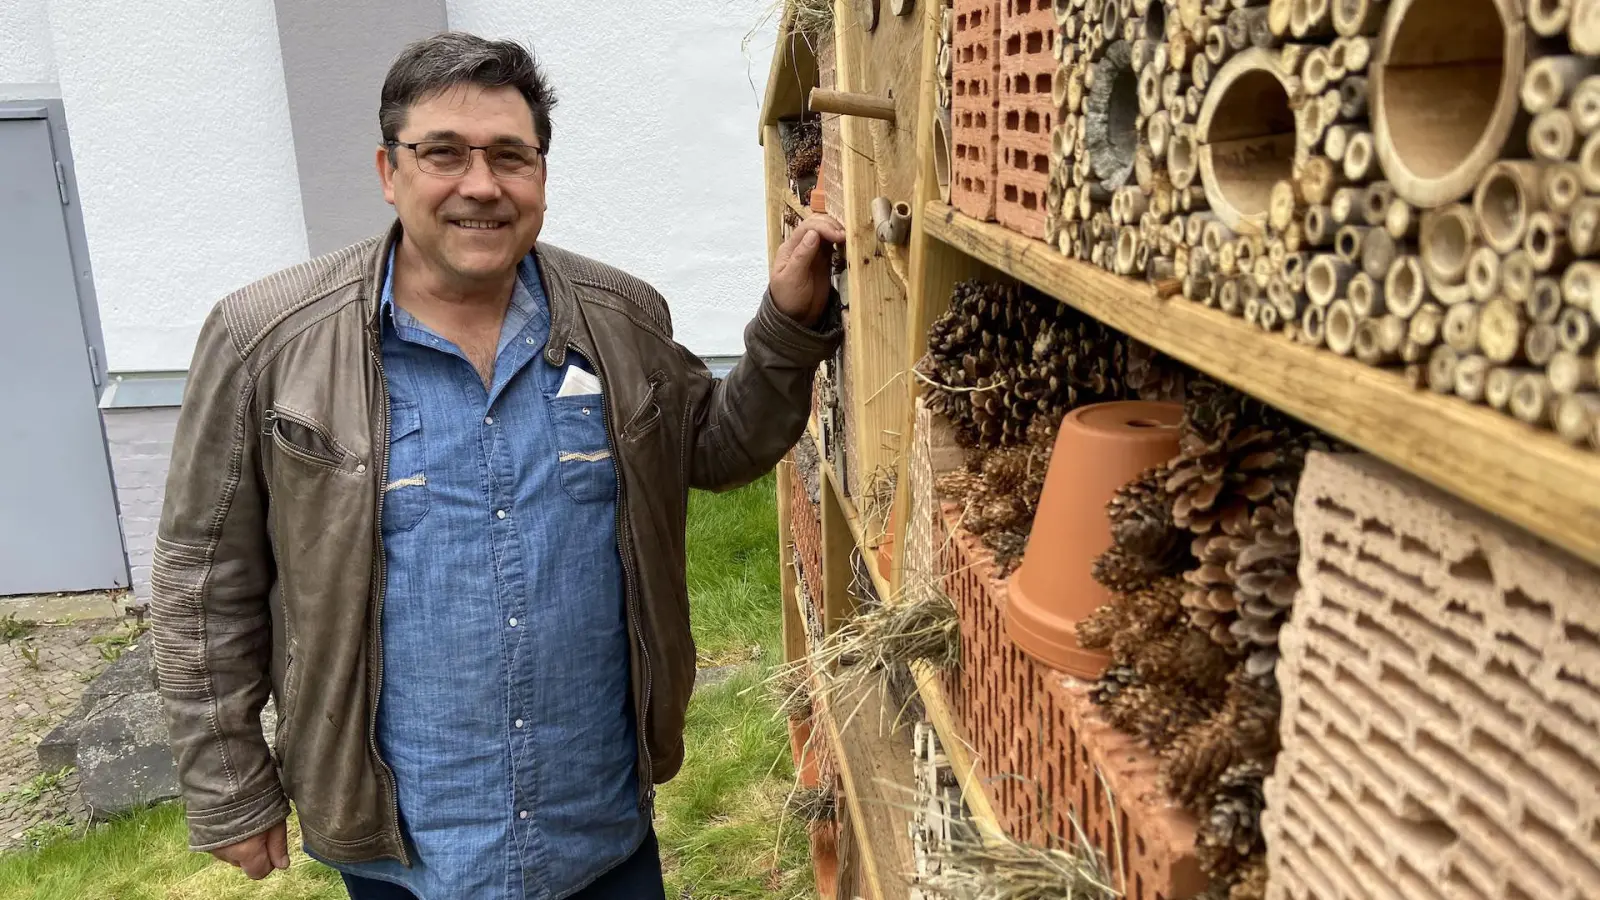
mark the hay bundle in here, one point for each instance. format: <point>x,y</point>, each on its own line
<point>1002,869</point>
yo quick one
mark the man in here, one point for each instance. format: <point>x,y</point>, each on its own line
<point>429,492</point>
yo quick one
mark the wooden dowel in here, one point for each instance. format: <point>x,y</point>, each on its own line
<point>1541,344</point>
<point>1461,327</point>
<point>1570,373</point>
<point>1442,370</point>
<point>1531,398</point>
<point>1483,274</point>
<point>1404,288</point>
<point>845,103</point>
<point>1472,375</point>
<point>1341,327</point>
<point>1501,325</point>
<point>1576,418</point>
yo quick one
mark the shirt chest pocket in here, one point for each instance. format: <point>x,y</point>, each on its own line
<point>583,456</point>
<point>405,496</point>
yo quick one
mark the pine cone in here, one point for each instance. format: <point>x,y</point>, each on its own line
<point>1230,831</point>
<point>1155,714</point>
<point>1153,375</point>
<point>1264,574</point>
<point>1252,883</point>
<point>1096,630</point>
<point>1244,730</point>
<point>1112,682</point>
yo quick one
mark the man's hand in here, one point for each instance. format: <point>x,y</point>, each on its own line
<point>800,274</point>
<point>261,854</point>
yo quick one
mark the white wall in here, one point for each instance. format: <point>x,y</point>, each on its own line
<point>25,53</point>
<point>185,161</point>
<point>655,166</point>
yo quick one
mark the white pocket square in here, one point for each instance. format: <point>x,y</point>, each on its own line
<point>578,383</point>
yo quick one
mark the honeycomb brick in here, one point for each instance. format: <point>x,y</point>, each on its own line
<point>975,107</point>
<point>1043,753</point>
<point>805,530</point>
<point>1441,691</point>
<point>832,176</point>
<point>1028,68</point>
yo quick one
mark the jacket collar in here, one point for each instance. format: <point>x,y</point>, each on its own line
<point>558,288</point>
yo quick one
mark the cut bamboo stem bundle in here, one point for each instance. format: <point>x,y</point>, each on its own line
<point>1570,373</point>
<point>1545,303</point>
<point>1461,327</point>
<point>1552,136</point>
<point>1472,377</point>
<point>1498,386</point>
<point>1483,274</point>
<point>1341,327</point>
<point>1577,419</point>
<point>1506,196</point>
<point>1446,241</point>
<point>1358,17</point>
<point>1442,364</point>
<point>1541,344</point>
<point>1404,288</point>
<point>1585,105</point>
<point>1531,398</point>
<point>1501,325</point>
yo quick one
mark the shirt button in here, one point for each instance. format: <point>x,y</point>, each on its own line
<point>512,622</point>
<point>586,410</point>
<point>499,514</point>
<point>529,340</point>
<point>488,420</point>
<point>523,814</point>
<point>518,723</point>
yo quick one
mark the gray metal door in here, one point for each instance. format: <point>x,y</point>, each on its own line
<point>58,513</point>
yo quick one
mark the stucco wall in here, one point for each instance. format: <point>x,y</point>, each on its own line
<point>654,164</point>
<point>185,160</point>
<point>26,56</point>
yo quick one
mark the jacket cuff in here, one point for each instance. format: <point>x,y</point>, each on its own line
<point>211,829</point>
<point>795,342</point>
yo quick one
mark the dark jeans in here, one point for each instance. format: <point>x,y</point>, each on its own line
<point>639,878</point>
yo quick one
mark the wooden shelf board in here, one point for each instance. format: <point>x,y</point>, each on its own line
<point>1527,476</point>
<point>875,765</point>
<point>857,530</point>
<point>956,750</point>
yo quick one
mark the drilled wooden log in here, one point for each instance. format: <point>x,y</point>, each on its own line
<point>1461,327</point>
<point>1501,325</point>
<point>1404,288</point>
<point>1472,375</point>
<point>1442,364</point>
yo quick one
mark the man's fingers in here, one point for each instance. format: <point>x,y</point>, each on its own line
<point>278,846</point>
<point>255,862</point>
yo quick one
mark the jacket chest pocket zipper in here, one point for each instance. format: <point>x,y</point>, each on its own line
<point>299,436</point>
<point>648,415</point>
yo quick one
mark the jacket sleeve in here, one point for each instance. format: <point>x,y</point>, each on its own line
<point>746,422</point>
<point>209,613</point>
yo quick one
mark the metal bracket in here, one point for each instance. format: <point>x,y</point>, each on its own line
<point>61,182</point>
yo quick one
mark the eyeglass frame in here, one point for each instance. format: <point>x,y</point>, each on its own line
<point>412,146</point>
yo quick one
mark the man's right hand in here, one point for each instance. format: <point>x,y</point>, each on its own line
<point>261,854</point>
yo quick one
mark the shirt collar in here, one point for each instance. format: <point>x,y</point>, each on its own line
<point>526,294</point>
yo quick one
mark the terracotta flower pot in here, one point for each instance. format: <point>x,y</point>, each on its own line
<point>1099,449</point>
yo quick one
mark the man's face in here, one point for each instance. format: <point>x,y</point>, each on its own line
<point>476,226</point>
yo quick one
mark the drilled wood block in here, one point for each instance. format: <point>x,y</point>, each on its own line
<point>1441,685</point>
<point>974,107</point>
<point>1027,114</point>
<point>1042,750</point>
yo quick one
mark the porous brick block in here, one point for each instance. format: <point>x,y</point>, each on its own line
<point>975,107</point>
<point>1028,67</point>
<point>1441,699</point>
<point>1043,753</point>
<point>805,530</point>
<point>831,178</point>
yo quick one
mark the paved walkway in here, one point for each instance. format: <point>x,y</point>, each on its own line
<point>42,675</point>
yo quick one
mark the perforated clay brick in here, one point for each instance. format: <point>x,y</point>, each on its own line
<point>974,107</point>
<point>1041,748</point>
<point>1028,67</point>
<point>1441,700</point>
<point>805,531</point>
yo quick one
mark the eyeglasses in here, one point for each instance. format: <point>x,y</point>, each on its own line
<point>453,158</point>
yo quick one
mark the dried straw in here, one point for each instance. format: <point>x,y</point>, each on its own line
<point>812,804</point>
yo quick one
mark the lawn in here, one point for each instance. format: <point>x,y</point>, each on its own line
<point>718,820</point>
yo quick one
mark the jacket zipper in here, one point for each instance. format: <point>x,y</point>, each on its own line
<point>380,575</point>
<point>648,791</point>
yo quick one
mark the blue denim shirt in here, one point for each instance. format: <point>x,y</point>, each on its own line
<point>505,711</point>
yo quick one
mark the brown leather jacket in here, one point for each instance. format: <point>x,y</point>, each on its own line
<point>269,568</point>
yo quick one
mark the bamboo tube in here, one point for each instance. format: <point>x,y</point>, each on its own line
<point>1348,242</point>
<point>1541,344</point>
<point>1472,375</point>
<point>1483,274</point>
<point>1345,207</point>
<point>1552,136</point>
<point>1549,81</point>
<point>1531,399</point>
<point>1281,205</point>
<point>1561,188</point>
<point>1335,139</point>
<point>1377,341</point>
<point>1576,417</point>
<point>1589,162</point>
<point>1357,51</point>
<point>1366,296</point>
<point>1317,179</point>
<point>1149,91</point>
<point>1580,286</point>
<point>1354,95</point>
<point>1544,303</point>
<point>1313,325</point>
<point>1228,258</point>
<point>1341,327</point>
<point>1215,236</point>
<point>1229,300</point>
<point>845,103</point>
<point>1358,17</point>
<point>1319,227</point>
<point>1404,289</point>
<point>1442,370</point>
<point>1327,277</point>
<point>1293,271</point>
<point>1423,326</point>
<point>1199,74</point>
<point>1377,252</point>
<point>1261,270</point>
<point>1268,317</point>
<point>1461,327</point>
<point>1497,387</point>
<point>1546,243</point>
<point>1446,240</point>
<point>1586,105</point>
<point>1310,18</point>
<point>1412,354</point>
<point>1400,220</point>
<point>1375,202</point>
<point>1332,106</point>
<point>1294,237</point>
<point>1314,70</point>
<point>1243,25</point>
<point>1182,160</point>
<point>1548,18</point>
<point>1575,329</point>
<point>1360,161</point>
<point>1447,294</point>
<point>1215,46</point>
<point>1501,325</point>
<point>1193,99</point>
<point>1583,226</point>
<point>1516,276</point>
<point>1570,373</point>
<point>1288,302</point>
<point>1278,17</point>
<point>1505,197</point>
<point>1197,287</point>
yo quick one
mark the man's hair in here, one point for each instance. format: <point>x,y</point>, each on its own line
<point>451,58</point>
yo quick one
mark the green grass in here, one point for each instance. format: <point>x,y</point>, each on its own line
<point>718,820</point>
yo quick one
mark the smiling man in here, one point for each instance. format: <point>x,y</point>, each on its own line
<point>429,492</point>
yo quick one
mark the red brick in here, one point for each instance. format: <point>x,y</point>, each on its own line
<point>974,107</point>
<point>1028,69</point>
